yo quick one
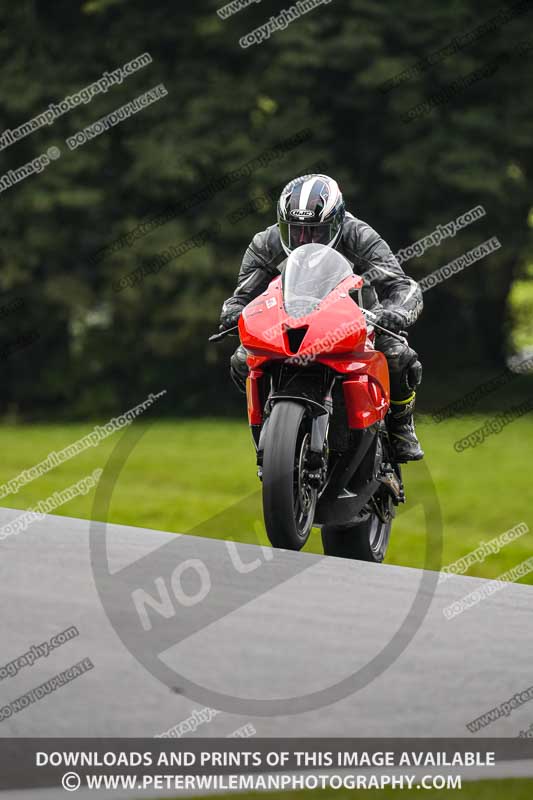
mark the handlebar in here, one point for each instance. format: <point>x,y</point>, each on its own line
<point>217,337</point>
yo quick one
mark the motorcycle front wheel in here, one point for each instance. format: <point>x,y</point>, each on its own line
<point>289,501</point>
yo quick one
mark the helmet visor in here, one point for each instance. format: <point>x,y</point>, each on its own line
<point>295,234</point>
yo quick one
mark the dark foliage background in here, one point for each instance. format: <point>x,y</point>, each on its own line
<point>94,350</point>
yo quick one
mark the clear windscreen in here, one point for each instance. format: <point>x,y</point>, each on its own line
<point>310,273</point>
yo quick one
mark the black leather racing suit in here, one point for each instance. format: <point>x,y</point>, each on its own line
<point>386,285</point>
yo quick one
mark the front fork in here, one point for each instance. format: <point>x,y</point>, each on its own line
<point>317,456</point>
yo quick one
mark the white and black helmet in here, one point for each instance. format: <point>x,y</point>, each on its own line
<point>310,209</point>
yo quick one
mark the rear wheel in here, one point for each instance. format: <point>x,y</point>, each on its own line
<point>367,538</point>
<point>289,500</point>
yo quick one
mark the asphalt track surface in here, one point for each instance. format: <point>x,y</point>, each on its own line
<point>298,624</point>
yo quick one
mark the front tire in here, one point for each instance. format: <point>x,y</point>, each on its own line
<point>289,501</point>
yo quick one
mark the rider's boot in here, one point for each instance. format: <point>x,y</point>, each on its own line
<point>401,427</point>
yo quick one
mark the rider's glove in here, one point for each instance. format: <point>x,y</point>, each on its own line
<point>394,319</point>
<point>229,317</point>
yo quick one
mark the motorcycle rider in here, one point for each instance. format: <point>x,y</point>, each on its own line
<point>311,209</point>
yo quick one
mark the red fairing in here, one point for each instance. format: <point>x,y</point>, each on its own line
<point>335,326</point>
<point>336,336</point>
<point>367,396</point>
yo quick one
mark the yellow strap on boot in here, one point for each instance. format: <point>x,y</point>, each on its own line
<point>403,402</point>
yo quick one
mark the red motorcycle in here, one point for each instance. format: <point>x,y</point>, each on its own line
<point>317,396</point>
